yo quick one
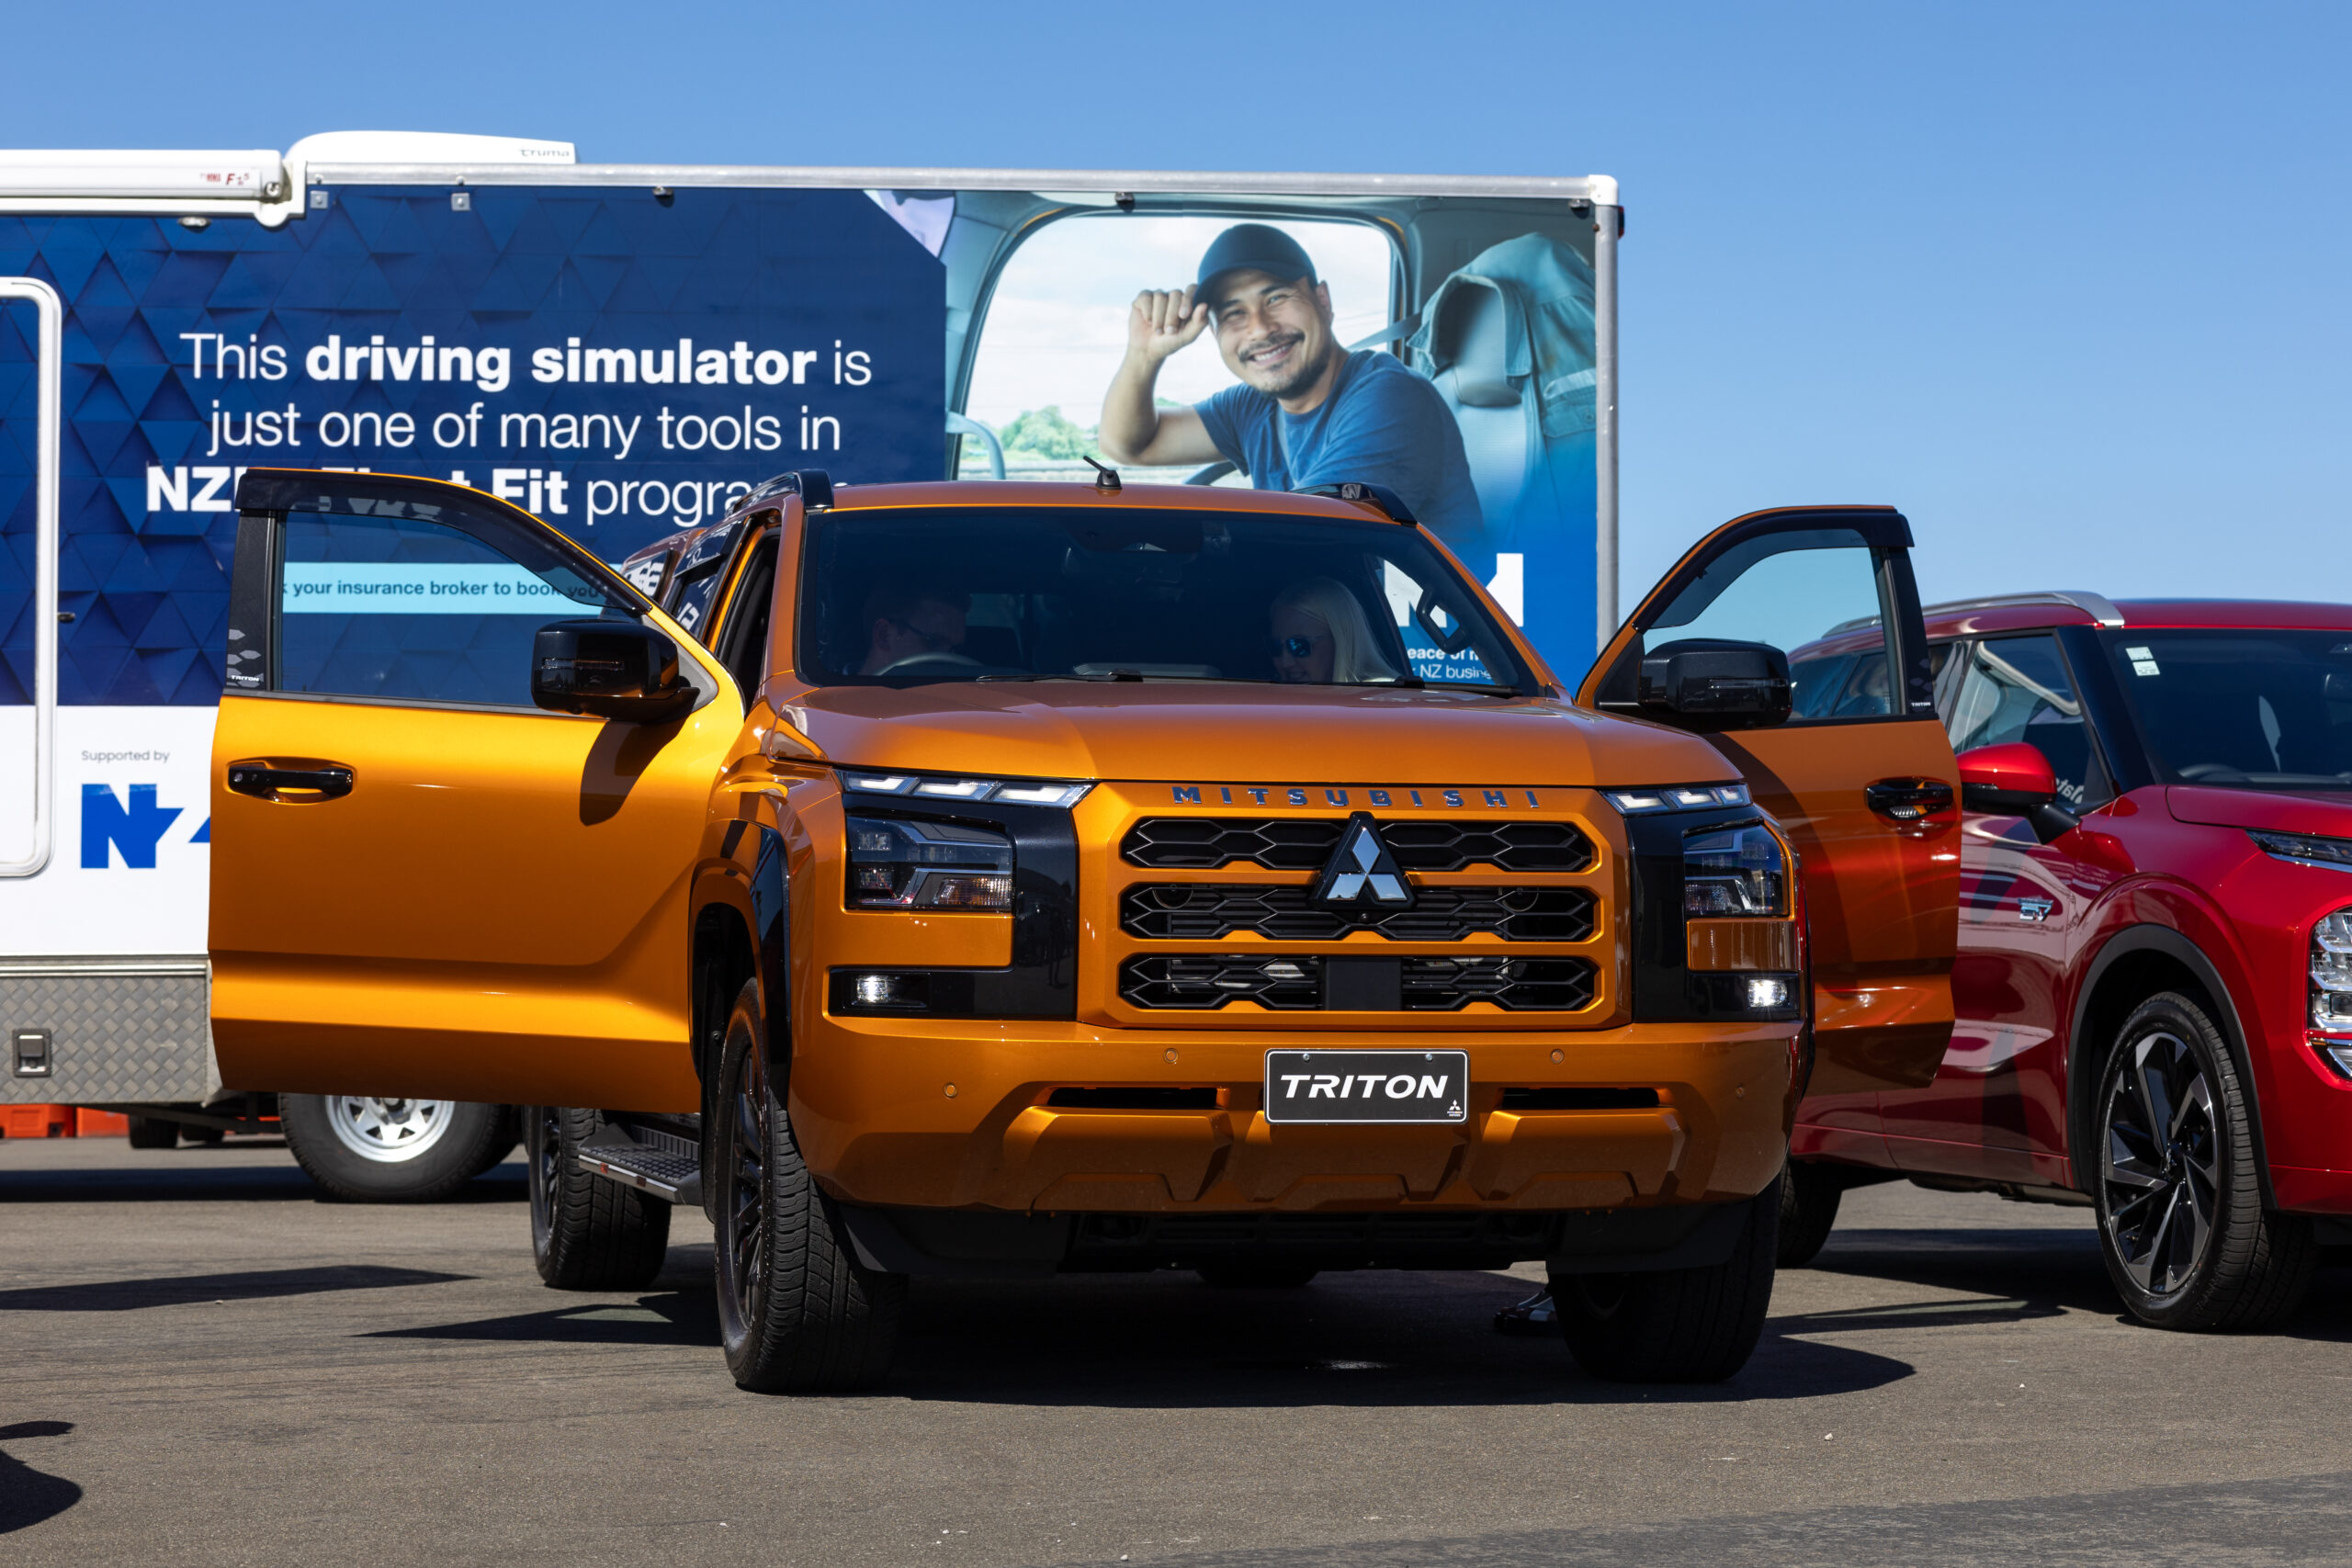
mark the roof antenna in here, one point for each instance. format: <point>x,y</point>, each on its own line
<point>1106,479</point>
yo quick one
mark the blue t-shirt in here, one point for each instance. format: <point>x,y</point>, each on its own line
<point>1382,424</point>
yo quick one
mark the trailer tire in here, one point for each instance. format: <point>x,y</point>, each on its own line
<point>154,1132</point>
<point>1675,1325</point>
<point>797,1312</point>
<point>587,1233</point>
<point>388,1151</point>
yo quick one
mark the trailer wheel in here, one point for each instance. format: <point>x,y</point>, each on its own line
<point>154,1132</point>
<point>1675,1325</point>
<point>587,1233</point>
<point>366,1150</point>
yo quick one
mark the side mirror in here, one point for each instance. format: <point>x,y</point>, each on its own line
<point>2014,779</point>
<point>1706,683</point>
<point>609,668</point>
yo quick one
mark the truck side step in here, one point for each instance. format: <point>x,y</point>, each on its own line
<point>651,1160</point>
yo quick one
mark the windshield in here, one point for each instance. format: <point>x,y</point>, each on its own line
<point>1102,594</point>
<point>2264,709</point>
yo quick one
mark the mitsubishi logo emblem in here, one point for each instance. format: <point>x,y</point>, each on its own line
<point>1362,870</point>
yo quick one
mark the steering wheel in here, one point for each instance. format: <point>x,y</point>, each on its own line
<point>914,661</point>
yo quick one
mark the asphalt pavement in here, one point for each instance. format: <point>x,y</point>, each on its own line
<point>207,1363</point>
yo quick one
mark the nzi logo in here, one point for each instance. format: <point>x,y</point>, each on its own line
<point>132,830</point>
<point>1362,870</point>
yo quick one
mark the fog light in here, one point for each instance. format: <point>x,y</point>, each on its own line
<point>2336,1053</point>
<point>1766,992</point>
<point>897,993</point>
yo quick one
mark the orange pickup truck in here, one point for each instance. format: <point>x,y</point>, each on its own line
<point>993,880</point>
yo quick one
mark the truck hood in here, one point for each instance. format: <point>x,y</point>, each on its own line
<point>2327,814</point>
<point>1319,734</point>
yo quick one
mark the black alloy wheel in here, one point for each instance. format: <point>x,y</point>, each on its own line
<point>797,1312</point>
<point>2181,1223</point>
<point>742,1257</point>
<point>2163,1172</point>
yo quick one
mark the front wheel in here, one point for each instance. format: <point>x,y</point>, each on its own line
<point>798,1313</point>
<point>1675,1325</point>
<point>369,1150</point>
<point>2181,1223</point>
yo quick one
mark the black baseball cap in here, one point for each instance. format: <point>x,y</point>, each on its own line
<point>1259,248</point>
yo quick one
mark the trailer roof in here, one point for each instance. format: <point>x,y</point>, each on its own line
<point>1600,188</point>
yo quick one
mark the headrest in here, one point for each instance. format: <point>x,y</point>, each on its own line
<point>1473,342</point>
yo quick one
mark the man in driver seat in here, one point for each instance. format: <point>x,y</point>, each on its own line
<point>906,623</point>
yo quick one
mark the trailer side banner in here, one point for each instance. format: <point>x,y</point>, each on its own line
<point>623,357</point>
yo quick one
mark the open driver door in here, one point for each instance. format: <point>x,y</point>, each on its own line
<point>1792,641</point>
<point>460,785</point>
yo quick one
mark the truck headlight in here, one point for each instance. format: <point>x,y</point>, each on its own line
<point>1733,871</point>
<point>2331,972</point>
<point>911,864</point>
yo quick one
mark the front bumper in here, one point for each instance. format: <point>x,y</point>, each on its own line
<point>940,1114</point>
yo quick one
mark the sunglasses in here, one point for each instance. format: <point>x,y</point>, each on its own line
<point>1296,646</point>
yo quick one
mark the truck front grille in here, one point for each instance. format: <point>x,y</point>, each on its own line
<point>1302,983</point>
<point>1210,911</point>
<point>1295,843</point>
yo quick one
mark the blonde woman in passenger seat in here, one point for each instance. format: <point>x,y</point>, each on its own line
<point>1321,637</point>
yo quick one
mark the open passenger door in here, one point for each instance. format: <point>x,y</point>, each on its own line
<point>425,884</point>
<point>1792,641</point>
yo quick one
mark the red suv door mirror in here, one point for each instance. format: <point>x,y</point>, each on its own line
<point>2014,779</point>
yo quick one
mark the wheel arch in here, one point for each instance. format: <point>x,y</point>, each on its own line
<point>742,930</point>
<point>2138,961</point>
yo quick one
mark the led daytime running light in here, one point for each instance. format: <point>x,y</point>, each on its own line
<point>1676,797</point>
<point>925,786</point>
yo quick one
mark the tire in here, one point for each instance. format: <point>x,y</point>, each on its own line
<point>2180,1218</point>
<point>1675,1325</point>
<point>1256,1276</point>
<point>798,1314</point>
<point>388,1151</point>
<point>1809,1198</point>
<point>154,1133</point>
<point>202,1138</point>
<point>587,1233</point>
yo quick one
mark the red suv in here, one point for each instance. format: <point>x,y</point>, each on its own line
<point>2153,986</point>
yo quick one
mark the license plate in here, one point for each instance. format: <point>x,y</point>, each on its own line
<point>1368,1086</point>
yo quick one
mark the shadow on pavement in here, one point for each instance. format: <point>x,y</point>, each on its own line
<point>684,1318</point>
<point>129,1295</point>
<point>1370,1339</point>
<point>28,1495</point>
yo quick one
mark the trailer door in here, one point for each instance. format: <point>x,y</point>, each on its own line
<point>29,674</point>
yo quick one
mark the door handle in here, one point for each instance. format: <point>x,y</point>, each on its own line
<point>312,781</point>
<point>1912,804</point>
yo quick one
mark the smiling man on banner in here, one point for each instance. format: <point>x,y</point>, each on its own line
<point>1307,411</point>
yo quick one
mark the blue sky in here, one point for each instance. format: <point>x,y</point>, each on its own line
<point>2064,282</point>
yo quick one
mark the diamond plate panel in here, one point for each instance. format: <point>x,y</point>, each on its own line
<point>116,1039</point>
